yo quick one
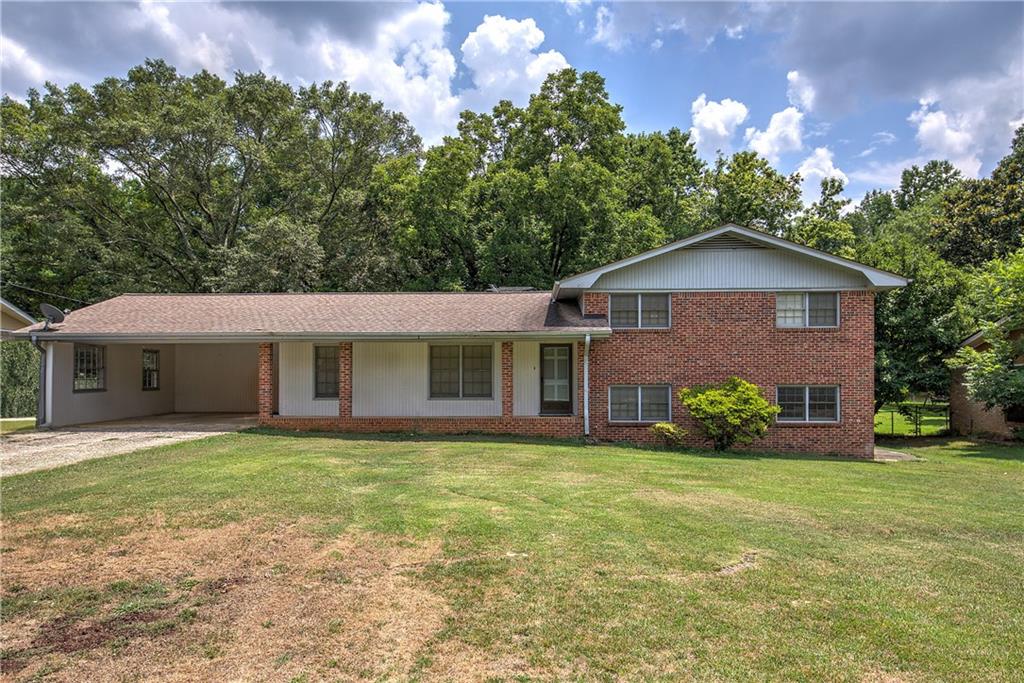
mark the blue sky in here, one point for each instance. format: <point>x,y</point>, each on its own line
<point>855,90</point>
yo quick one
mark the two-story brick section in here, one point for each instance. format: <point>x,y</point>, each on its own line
<point>602,355</point>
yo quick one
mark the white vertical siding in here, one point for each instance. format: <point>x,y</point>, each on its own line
<point>123,396</point>
<point>718,269</point>
<point>295,383</point>
<point>391,379</point>
<point>526,378</point>
<point>216,378</point>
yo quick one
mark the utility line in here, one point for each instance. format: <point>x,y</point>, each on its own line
<point>39,291</point>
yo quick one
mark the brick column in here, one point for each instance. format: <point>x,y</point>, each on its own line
<point>506,379</point>
<point>345,380</point>
<point>265,382</point>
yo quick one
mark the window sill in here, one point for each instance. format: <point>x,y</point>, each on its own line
<point>87,391</point>
<point>635,423</point>
<point>325,398</point>
<point>151,388</point>
<point>641,329</point>
<point>808,327</point>
<point>460,398</point>
<point>808,423</point>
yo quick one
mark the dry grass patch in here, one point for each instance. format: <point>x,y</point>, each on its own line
<point>243,601</point>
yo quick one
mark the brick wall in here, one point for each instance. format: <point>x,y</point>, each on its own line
<point>713,335</point>
<point>718,334</point>
<point>265,381</point>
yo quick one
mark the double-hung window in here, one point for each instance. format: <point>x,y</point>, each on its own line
<point>640,403</point>
<point>639,310</point>
<point>325,380</point>
<point>807,309</point>
<point>90,372</point>
<point>461,371</point>
<point>150,370</point>
<point>801,403</point>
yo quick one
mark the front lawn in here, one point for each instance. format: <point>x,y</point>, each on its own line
<point>16,424</point>
<point>302,557</point>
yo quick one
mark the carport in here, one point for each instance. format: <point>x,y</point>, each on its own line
<point>90,381</point>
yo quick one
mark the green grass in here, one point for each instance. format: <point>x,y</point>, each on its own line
<point>859,570</point>
<point>14,424</point>
<point>890,422</point>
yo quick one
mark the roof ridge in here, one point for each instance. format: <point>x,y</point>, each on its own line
<point>212,294</point>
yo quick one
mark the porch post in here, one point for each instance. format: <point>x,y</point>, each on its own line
<point>345,380</point>
<point>265,382</point>
<point>506,379</point>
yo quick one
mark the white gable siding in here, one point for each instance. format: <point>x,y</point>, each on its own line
<point>724,269</point>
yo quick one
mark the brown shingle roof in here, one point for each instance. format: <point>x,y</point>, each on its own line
<point>328,315</point>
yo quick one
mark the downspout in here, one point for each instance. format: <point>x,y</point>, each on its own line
<point>41,403</point>
<point>586,386</point>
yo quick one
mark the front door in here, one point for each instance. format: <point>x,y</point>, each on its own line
<point>555,379</point>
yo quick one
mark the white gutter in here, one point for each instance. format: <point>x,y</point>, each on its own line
<point>206,337</point>
<point>586,386</point>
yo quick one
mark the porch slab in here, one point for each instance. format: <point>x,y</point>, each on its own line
<point>28,451</point>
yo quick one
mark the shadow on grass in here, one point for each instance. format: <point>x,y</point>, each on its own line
<point>470,437</point>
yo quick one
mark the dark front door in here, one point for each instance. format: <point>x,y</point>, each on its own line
<point>556,379</point>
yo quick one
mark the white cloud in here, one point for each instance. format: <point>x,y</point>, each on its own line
<point>715,123</point>
<point>656,44</point>
<point>815,168</point>
<point>606,31</point>
<point>880,139</point>
<point>784,134</point>
<point>575,6</point>
<point>500,55</point>
<point>735,32</point>
<point>800,91</point>
<point>15,58</point>
<point>408,68</point>
<point>192,51</point>
<point>946,137</point>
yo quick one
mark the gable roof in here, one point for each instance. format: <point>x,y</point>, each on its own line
<point>732,236</point>
<point>240,317</point>
<point>15,312</point>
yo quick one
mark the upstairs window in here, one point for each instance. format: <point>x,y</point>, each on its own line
<point>807,309</point>
<point>90,372</point>
<point>326,370</point>
<point>639,310</point>
<point>808,403</point>
<point>461,371</point>
<point>150,370</point>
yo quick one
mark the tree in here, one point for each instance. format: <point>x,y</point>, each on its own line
<point>729,413</point>
<point>745,189</point>
<point>918,326</point>
<point>19,379</point>
<point>822,226</point>
<point>992,375</point>
<point>919,183</point>
<point>984,219</point>
<point>276,255</point>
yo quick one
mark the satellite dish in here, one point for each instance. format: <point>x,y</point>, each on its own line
<point>52,314</point>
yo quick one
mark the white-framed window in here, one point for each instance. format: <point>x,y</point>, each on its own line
<point>461,371</point>
<point>90,372</point>
<point>325,371</point>
<point>640,403</point>
<point>150,370</point>
<point>807,403</point>
<point>807,309</point>
<point>639,310</point>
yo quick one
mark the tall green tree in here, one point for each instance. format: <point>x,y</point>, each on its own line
<point>746,190</point>
<point>822,225</point>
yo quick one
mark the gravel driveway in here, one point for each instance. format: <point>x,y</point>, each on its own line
<point>30,450</point>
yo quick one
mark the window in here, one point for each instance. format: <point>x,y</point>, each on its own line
<point>807,309</point>
<point>639,310</point>
<point>150,370</point>
<point>461,371</point>
<point>808,404</point>
<point>325,381</point>
<point>650,403</point>
<point>90,373</point>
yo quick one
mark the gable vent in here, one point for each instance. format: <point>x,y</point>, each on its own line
<point>727,242</point>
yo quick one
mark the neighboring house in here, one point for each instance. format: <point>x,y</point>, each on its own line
<point>601,355</point>
<point>12,318</point>
<point>967,416</point>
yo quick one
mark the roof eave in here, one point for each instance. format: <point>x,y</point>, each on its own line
<point>216,337</point>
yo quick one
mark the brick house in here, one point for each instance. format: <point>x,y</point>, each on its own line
<point>600,356</point>
<point>967,416</point>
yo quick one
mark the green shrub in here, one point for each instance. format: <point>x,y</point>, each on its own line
<point>19,379</point>
<point>670,434</point>
<point>729,413</point>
